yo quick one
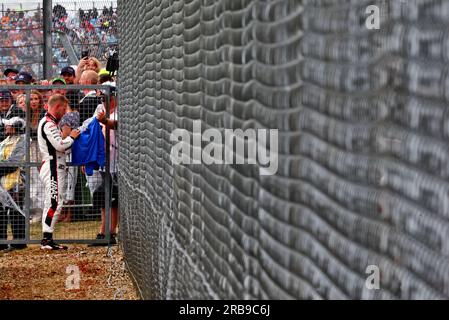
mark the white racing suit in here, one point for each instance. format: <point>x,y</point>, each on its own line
<point>53,170</point>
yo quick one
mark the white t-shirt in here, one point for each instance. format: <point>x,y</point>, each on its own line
<point>112,139</point>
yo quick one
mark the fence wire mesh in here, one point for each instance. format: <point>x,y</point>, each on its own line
<point>363,157</point>
<point>83,196</point>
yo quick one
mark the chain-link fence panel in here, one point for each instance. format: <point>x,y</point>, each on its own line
<point>80,180</point>
<point>363,172</point>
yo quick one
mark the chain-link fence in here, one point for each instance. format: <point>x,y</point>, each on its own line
<point>31,164</point>
<point>363,158</point>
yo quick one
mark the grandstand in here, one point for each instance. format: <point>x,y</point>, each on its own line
<point>77,26</point>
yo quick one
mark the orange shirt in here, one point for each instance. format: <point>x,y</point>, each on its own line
<point>5,20</point>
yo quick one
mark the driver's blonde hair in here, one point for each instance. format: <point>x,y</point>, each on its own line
<point>57,99</point>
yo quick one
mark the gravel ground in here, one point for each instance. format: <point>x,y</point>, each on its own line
<point>32,274</point>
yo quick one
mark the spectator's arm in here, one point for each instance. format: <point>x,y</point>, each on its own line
<point>79,70</point>
<point>111,124</point>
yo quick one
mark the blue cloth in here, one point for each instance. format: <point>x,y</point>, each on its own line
<point>89,149</point>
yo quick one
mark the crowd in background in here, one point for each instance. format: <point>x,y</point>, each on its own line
<point>90,30</point>
<point>21,36</point>
<point>20,40</point>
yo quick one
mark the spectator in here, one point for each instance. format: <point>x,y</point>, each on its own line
<point>74,96</point>
<point>70,121</point>
<point>23,78</point>
<point>88,63</point>
<point>10,74</point>
<point>36,107</point>
<point>98,199</point>
<point>5,104</point>
<point>13,111</point>
<point>19,111</point>
<point>59,11</point>
<point>81,14</point>
<point>90,102</point>
<point>6,100</point>
<point>16,110</point>
<point>59,81</point>
<point>12,149</point>
<point>36,192</point>
<point>21,102</point>
<point>104,76</point>
<point>46,94</point>
<point>5,20</point>
<point>68,74</point>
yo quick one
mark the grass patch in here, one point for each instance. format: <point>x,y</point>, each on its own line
<point>82,230</point>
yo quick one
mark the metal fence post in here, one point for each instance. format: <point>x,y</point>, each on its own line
<point>107,176</point>
<point>27,167</point>
<point>47,5</point>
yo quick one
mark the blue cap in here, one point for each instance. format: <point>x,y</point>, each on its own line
<point>24,77</point>
<point>5,95</point>
<point>68,70</point>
